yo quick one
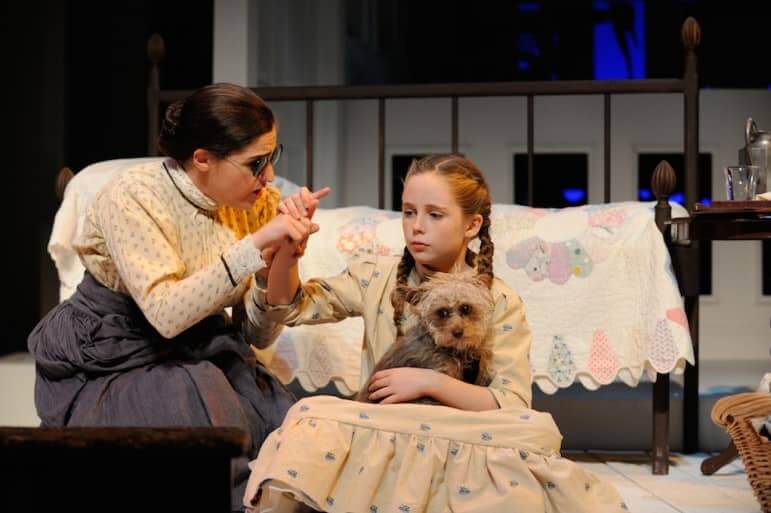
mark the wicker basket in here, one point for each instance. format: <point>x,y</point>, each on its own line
<point>734,413</point>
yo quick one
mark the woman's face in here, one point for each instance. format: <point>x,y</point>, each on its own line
<point>435,229</point>
<point>231,180</point>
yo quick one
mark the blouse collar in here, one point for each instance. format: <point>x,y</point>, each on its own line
<point>187,188</point>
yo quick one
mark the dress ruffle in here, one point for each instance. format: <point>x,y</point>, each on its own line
<point>337,455</point>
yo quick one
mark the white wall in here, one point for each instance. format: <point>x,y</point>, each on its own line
<point>231,42</point>
<point>17,391</point>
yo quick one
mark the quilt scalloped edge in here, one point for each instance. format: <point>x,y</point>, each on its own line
<point>348,385</point>
<point>629,375</point>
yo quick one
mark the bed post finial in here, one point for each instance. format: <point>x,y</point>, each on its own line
<point>156,49</point>
<point>691,34</point>
<point>62,179</point>
<point>663,184</point>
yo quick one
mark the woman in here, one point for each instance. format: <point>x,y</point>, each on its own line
<point>145,340</point>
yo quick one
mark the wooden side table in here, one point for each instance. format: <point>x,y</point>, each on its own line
<point>722,220</point>
<point>725,220</point>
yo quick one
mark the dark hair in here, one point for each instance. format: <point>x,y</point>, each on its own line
<point>473,195</point>
<point>220,118</point>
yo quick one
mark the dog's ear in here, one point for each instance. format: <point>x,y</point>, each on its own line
<point>413,295</point>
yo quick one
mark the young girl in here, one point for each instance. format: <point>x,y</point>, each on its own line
<point>484,451</point>
<point>446,204</point>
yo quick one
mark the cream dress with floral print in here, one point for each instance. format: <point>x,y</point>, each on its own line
<point>338,455</point>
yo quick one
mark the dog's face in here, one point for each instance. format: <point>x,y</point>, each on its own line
<point>456,308</point>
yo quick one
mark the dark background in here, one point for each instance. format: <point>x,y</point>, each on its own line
<point>76,73</point>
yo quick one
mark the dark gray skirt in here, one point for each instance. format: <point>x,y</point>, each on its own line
<point>99,362</point>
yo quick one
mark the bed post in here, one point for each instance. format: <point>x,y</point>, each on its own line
<point>691,35</point>
<point>156,49</point>
<point>63,177</point>
<point>662,184</point>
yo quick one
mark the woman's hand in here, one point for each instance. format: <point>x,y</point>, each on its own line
<point>303,203</point>
<point>403,384</point>
<point>283,228</point>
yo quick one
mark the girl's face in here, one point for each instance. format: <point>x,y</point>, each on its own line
<point>230,180</point>
<point>435,229</point>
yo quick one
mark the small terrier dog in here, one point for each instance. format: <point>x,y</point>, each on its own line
<point>454,332</point>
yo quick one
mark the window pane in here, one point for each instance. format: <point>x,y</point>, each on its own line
<point>561,179</point>
<point>400,164</point>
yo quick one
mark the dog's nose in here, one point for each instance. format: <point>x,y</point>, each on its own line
<point>457,333</point>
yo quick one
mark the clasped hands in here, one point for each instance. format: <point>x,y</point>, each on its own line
<point>295,212</point>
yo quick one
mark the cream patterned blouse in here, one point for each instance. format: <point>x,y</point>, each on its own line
<point>152,234</point>
<point>364,289</point>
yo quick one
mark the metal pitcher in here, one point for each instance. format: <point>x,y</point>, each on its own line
<point>757,152</point>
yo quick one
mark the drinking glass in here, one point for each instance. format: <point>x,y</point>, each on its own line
<point>741,182</point>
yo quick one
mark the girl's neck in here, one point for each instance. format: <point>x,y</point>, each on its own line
<point>459,265</point>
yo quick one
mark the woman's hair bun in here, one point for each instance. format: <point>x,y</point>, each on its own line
<point>168,137</point>
<point>171,118</point>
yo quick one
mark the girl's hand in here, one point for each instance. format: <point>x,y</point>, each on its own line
<point>303,203</point>
<point>283,228</point>
<point>268,253</point>
<point>403,384</point>
<point>291,250</point>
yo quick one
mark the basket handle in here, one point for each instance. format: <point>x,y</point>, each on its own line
<point>739,406</point>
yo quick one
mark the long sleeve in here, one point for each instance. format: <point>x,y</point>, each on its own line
<point>318,300</point>
<point>512,380</point>
<point>142,238</point>
<point>260,330</point>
